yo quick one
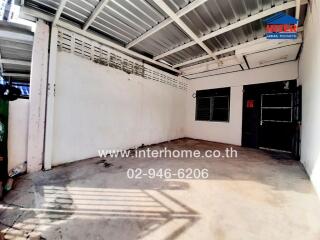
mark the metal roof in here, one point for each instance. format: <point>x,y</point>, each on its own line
<point>15,51</point>
<point>146,27</point>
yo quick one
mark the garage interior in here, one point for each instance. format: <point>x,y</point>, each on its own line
<point>159,74</point>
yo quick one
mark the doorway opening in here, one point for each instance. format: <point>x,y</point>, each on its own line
<point>272,116</point>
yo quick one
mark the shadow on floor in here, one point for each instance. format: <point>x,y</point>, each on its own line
<point>151,214</point>
<point>89,200</point>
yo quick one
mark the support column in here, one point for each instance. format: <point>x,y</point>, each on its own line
<point>38,88</point>
<point>50,99</point>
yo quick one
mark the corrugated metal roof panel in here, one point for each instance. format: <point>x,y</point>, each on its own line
<point>16,46</point>
<point>176,5</point>
<point>215,14</point>
<point>15,54</point>
<point>44,4</point>
<point>237,36</point>
<point>16,68</point>
<point>136,17</point>
<point>185,55</point>
<point>125,20</point>
<point>164,40</point>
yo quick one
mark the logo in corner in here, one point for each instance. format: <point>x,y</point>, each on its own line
<point>281,26</point>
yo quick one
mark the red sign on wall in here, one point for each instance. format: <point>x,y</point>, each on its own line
<point>250,103</point>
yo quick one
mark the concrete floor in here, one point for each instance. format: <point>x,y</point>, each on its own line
<point>255,196</point>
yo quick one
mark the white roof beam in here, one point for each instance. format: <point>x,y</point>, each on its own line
<point>166,22</point>
<point>95,13</point>
<point>16,75</point>
<point>174,50</point>
<point>192,61</point>
<point>240,23</point>
<point>211,65</point>
<point>183,26</point>
<point>58,12</point>
<point>150,32</point>
<point>15,62</point>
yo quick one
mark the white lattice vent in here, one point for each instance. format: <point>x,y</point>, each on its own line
<point>84,47</point>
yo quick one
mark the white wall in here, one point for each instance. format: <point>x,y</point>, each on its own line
<point>97,107</point>
<point>230,132</point>
<point>18,132</point>
<point>309,75</point>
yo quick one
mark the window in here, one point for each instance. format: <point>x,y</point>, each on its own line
<point>276,107</point>
<point>213,105</point>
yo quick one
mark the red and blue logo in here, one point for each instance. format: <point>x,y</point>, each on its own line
<point>281,26</point>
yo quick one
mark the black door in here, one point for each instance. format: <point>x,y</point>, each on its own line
<point>270,116</point>
<point>276,121</point>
